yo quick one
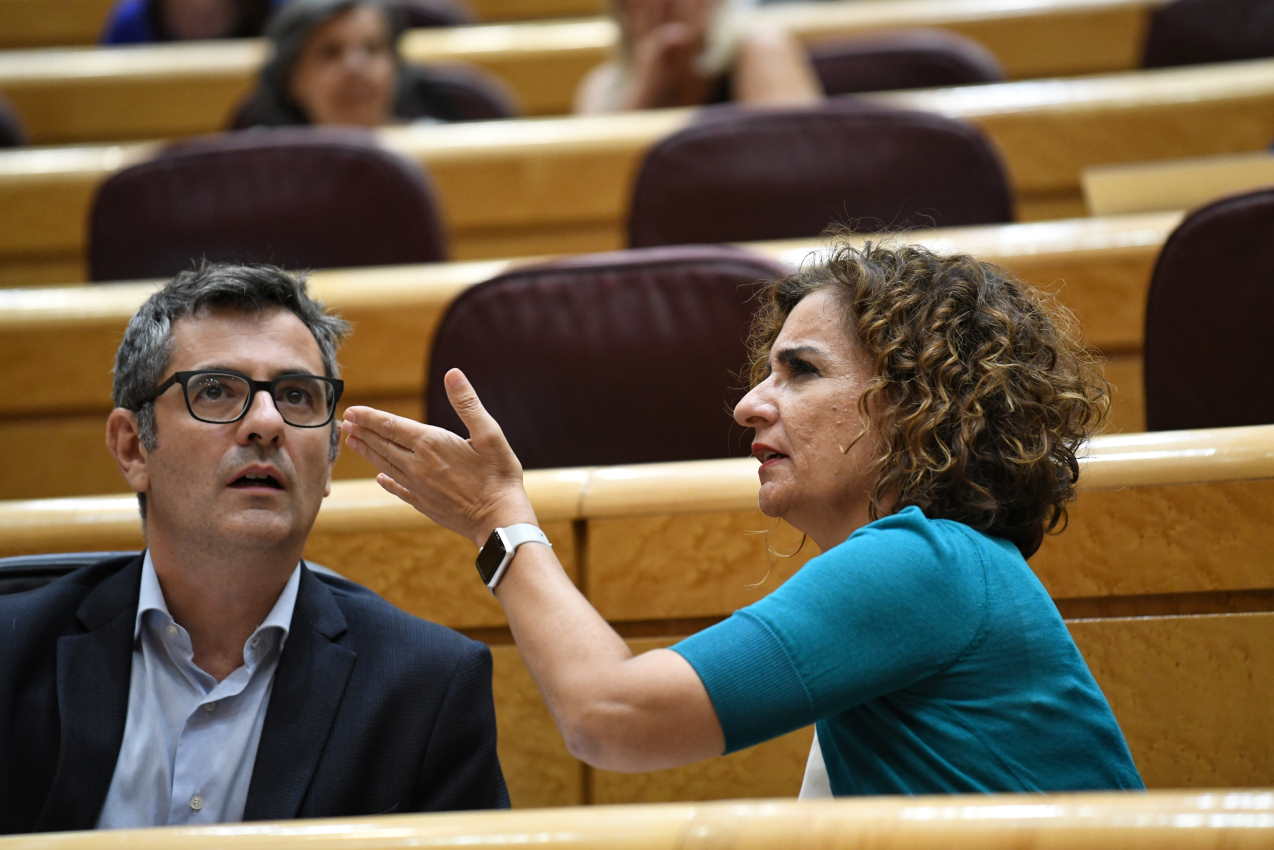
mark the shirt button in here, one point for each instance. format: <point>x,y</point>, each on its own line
<point>196,802</point>
<point>172,630</point>
<point>210,707</point>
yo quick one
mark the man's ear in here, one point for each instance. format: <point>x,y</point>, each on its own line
<point>124,443</point>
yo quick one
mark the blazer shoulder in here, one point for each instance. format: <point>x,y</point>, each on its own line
<point>64,594</point>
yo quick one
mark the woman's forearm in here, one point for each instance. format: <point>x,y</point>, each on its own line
<point>615,710</point>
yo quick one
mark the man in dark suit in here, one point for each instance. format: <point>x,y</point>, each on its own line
<point>216,677</point>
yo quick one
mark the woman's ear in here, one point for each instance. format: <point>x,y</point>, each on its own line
<point>125,445</point>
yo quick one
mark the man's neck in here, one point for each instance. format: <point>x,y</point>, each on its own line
<point>221,599</point>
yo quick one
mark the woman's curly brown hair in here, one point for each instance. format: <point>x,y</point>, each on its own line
<point>982,391</point>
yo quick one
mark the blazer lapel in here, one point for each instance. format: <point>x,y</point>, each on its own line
<point>93,671</point>
<point>309,685</point>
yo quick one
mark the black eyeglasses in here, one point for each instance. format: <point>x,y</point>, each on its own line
<point>220,396</point>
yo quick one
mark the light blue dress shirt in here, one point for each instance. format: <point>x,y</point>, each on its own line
<point>190,741</point>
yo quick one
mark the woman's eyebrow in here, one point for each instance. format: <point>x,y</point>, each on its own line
<point>789,355</point>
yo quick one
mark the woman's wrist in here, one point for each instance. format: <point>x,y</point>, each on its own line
<point>514,510</point>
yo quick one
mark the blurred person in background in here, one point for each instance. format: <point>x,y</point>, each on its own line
<point>336,62</point>
<point>693,52</point>
<point>144,21</point>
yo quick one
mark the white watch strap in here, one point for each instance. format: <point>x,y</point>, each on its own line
<point>514,536</point>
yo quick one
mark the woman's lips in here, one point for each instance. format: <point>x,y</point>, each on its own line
<point>767,455</point>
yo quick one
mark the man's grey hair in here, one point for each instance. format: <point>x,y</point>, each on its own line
<point>142,359</point>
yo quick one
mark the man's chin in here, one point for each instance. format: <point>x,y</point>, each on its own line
<point>261,527</point>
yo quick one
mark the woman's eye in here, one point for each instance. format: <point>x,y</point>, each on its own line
<point>801,367</point>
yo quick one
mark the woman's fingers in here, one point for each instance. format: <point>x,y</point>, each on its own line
<point>366,444</point>
<point>395,430</point>
<point>465,485</point>
<point>485,433</point>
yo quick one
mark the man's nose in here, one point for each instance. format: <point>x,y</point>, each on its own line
<point>262,419</point>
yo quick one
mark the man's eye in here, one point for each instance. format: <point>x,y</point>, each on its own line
<point>211,389</point>
<point>296,395</point>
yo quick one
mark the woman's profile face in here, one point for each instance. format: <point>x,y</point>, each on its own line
<point>345,73</point>
<point>815,472</point>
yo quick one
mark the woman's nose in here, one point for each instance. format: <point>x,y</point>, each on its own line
<point>756,407</point>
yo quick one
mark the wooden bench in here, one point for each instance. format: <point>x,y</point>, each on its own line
<point>93,95</point>
<point>1165,574</point>
<point>1163,820</point>
<point>53,23</point>
<point>1174,184</point>
<point>561,185</point>
<point>57,344</point>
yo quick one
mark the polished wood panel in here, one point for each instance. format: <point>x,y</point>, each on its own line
<point>52,407</point>
<point>514,10</point>
<point>35,23</point>
<point>1158,513</point>
<point>1174,184</point>
<point>554,181</point>
<point>771,769</point>
<point>72,95</point>
<point>1224,818</point>
<point>1189,693</point>
<point>537,766</point>
<point>53,23</point>
<point>665,548</point>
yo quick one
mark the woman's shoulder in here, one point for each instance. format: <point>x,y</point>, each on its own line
<point>913,533</point>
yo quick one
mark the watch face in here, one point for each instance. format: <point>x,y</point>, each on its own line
<point>490,556</point>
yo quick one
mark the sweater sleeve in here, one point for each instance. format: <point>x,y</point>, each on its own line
<point>897,602</point>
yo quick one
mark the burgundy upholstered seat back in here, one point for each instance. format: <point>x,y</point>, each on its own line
<point>11,133</point>
<point>625,357</point>
<point>911,59</point>
<point>1209,349</point>
<point>741,175</point>
<point>296,197</point>
<point>1188,32</point>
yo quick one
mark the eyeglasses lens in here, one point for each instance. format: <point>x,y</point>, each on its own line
<point>301,400</point>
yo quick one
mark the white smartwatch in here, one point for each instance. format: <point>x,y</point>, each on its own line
<point>501,546</point>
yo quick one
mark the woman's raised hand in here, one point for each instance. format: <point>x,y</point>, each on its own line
<point>469,486</point>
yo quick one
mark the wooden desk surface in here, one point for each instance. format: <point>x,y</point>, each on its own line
<point>1126,466</point>
<point>561,185</point>
<point>1167,820</point>
<point>1174,184</point>
<point>1167,538</point>
<point>60,23</point>
<point>161,91</point>
<point>52,405</point>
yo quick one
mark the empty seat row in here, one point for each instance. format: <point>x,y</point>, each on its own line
<point>290,196</point>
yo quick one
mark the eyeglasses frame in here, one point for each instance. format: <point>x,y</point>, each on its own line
<point>254,387</point>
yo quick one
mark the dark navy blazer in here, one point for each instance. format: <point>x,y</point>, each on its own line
<point>372,710</point>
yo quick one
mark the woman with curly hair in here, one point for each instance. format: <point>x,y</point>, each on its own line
<point>917,417</point>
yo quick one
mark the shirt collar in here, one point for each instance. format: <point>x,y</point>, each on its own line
<point>150,597</point>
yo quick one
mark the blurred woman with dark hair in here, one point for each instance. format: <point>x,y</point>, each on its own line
<point>918,417</point>
<point>336,62</point>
